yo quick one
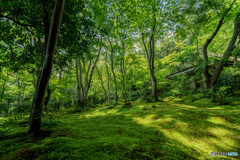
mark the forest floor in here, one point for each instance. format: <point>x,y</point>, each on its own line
<point>164,130</point>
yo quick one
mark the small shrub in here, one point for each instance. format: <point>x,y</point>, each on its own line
<point>160,99</point>
<point>144,108</point>
<point>127,105</point>
<point>222,95</point>
<point>110,107</point>
<point>149,99</point>
<point>4,109</point>
<point>22,108</point>
<point>153,106</point>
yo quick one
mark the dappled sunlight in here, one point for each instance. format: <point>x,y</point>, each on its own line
<point>216,108</point>
<point>177,127</point>
<point>144,121</point>
<point>99,112</point>
<point>204,144</point>
<point>220,132</point>
<point>184,106</point>
<point>224,137</point>
<point>156,127</point>
<point>217,120</point>
<point>182,138</point>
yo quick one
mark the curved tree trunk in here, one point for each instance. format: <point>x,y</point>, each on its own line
<point>207,76</point>
<point>228,51</point>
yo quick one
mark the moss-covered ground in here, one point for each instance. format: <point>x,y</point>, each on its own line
<point>164,130</point>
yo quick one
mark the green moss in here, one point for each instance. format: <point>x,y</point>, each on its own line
<point>169,130</point>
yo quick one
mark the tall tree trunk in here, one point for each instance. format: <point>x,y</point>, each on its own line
<point>88,84</point>
<point>78,85</point>
<point>47,98</point>
<point>108,79</point>
<point>19,96</point>
<point>150,56</point>
<point>3,90</point>
<point>123,69</point>
<point>236,55</point>
<point>101,80</point>
<point>59,100</point>
<point>35,121</point>
<point>145,91</point>
<point>154,88</point>
<point>46,23</point>
<point>114,75</point>
<point>83,91</point>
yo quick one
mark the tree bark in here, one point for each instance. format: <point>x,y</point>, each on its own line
<point>3,87</point>
<point>59,100</point>
<point>83,89</point>
<point>114,75</point>
<point>236,55</point>
<point>228,51</point>
<point>35,121</point>
<point>19,95</point>
<point>101,80</point>
<point>108,79</point>
<point>78,85</point>
<point>123,69</point>
<point>150,57</point>
<point>3,90</point>
<point>207,76</point>
<point>145,91</point>
<point>47,98</point>
<point>42,55</point>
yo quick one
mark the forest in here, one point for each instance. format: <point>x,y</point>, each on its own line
<point>119,79</point>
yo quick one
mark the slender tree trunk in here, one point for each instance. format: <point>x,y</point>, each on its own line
<point>3,87</point>
<point>150,56</point>
<point>114,75</point>
<point>35,121</point>
<point>83,90</point>
<point>115,83</point>
<point>47,98</point>
<point>82,101</point>
<point>123,69</point>
<point>59,100</point>
<point>108,79</point>
<point>78,85</point>
<point>3,90</point>
<point>88,84</point>
<point>145,92</point>
<point>46,23</point>
<point>236,55</point>
<point>101,80</point>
